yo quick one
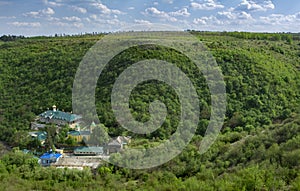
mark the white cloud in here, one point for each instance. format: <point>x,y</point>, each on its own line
<point>182,12</point>
<point>226,15</point>
<point>52,19</point>
<point>105,10</point>
<point>73,18</point>
<point>37,14</point>
<point>255,5</point>
<point>94,16</point>
<point>32,14</point>
<point>234,15</point>
<point>131,8</point>
<point>25,24</point>
<point>48,11</point>
<point>79,9</point>
<point>153,12</point>
<point>243,21</point>
<point>226,18</point>
<point>201,21</point>
<point>112,21</point>
<point>208,21</point>
<point>207,5</point>
<point>144,22</point>
<point>70,25</point>
<point>104,21</point>
<point>168,1</point>
<point>52,3</point>
<point>280,19</point>
<point>78,25</point>
<point>61,24</point>
<point>278,23</point>
<point>244,15</point>
<point>8,17</point>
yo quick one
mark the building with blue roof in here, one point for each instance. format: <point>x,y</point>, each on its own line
<point>49,158</point>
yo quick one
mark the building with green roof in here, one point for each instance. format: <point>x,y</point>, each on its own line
<point>79,136</point>
<point>88,151</point>
<point>58,117</point>
<point>39,135</point>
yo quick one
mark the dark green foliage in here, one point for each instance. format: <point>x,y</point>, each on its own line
<point>51,137</point>
<point>7,38</point>
<point>257,150</point>
<point>34,75</point>
<point>262,84</point>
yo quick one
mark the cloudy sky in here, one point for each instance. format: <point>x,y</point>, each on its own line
<point>47,17</point>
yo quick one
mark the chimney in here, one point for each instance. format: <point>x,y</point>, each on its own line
<point>54,107</point>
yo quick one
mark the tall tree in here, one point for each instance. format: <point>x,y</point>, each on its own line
<point>50,140</point>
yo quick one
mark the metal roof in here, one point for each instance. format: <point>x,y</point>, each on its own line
<point>74,133</point>
<point>50,155</point>
<point>40,135</point>
<point>89,149</point>
<point>78,133</point>
<point>60,115</point>
<point>85,132</point>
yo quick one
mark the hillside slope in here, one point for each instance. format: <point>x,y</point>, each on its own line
<point>262,80</point>
<point>258,148</point>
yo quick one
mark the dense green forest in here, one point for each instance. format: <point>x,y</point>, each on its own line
<point>258,149</point>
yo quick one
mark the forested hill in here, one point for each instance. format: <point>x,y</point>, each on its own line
<point>258,148</point>
<point>261,74</point>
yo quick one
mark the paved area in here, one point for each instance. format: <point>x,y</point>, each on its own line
<point>79,162</point>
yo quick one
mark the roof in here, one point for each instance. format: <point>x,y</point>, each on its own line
<point>69,117</point>
<point>85,132</point>
<point>40,135</point>
<point>74,133</point>
<point>114,143</point>
<point>122,140</point>
<point>78,133</point>
<point>89,149</point>
<point>50,155</point>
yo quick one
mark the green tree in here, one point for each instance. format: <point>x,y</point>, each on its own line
<point>51,137</point>
<point>99,135</point>
<point>21,139</point>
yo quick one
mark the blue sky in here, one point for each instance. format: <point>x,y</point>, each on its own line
<point>47,17</point>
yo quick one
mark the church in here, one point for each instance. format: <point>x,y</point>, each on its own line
<point>56,117</point>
